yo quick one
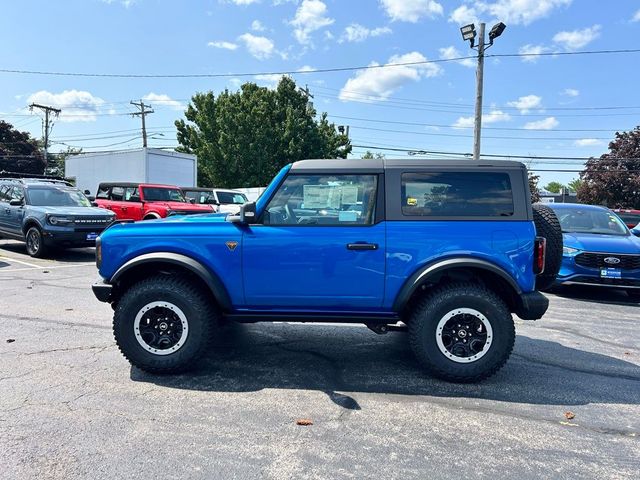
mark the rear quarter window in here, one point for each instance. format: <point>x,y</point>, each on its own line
<point>457,194</point>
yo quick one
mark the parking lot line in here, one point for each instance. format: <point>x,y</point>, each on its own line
<point>52,267</point>
<point>11,259</point>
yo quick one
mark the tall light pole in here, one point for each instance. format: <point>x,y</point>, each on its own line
<point>469,33</point>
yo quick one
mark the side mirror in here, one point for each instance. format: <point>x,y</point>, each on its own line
<point>16,203</point>
<point>192,200</point>
<point>94,204</point>
<point>247,214</point>
<point>636,230</point>
<point>91,198</point>
<point>87,193</point>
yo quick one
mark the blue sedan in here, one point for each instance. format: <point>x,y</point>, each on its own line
<point>598,249</point>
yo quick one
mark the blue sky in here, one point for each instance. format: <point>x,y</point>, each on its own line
<point>533,106</point>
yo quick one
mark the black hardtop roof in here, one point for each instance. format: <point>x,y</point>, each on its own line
<point>378,165</point>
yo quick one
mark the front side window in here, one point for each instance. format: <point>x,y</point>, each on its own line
<point>323,200</point>
<point>103,192</point>
<point>457,194</point>
<point>57,197</point>
<point>117,194</point>
<point>16,194</point>
<point>4,193</point>
<point>158,194</point>
<point>131,194</point>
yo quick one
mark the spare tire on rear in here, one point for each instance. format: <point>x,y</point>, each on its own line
<point>548,226</point>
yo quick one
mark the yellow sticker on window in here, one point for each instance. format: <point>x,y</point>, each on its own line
<point>412,202</point>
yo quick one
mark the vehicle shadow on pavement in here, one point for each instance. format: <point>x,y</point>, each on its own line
<point>74,255</point>
<point>596,295</point>
<point>349,359</point>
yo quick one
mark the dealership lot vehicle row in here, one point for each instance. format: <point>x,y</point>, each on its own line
<point>71,406</point>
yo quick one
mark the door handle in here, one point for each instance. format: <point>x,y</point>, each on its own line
<point>362,246</point>
<point>7,211</point>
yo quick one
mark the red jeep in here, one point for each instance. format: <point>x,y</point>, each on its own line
<point>143,201</point>
<point>630,217</point>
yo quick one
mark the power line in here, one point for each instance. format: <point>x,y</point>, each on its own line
<point>296,72</point>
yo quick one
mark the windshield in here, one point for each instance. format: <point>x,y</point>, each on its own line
<point>583,220</point>
<point>159,194</point>
<point>235,198</point>
<point>56,197</point>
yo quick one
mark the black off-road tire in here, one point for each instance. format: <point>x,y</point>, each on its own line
<point>428,312</point>
<point>190,298</point>
<point>548,226</point>
<point>34,243</point>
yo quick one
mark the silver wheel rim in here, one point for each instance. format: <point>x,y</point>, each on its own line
<point>477,317</point>
<point>33,241</point>
<point>181,317</point>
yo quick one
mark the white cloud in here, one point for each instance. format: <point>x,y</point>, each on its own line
<point>306,68</point>
<point>376,84</point>
<point>260,47</point>
<point>257,26</point>
<point>76,105</point>
<point>358,33</point>
<point>530,49</point>
<point>223,45</point>
<point>464,15</point>
<point>492,117</point>
<point>571,92</point>
<point>587,142</point>
<point>576,39</point>
<point>163,99</point>
<point>526,103</point>
<point>310,16</point>
<point>511,12</point>
<point>244,2</point>
<point>548,123</point>
<point>451,52</point>
<point>636,17</point>
<point>269,80</point>
<point>411,10</point>
<point>124,3</point>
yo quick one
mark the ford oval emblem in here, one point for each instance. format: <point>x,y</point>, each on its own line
<point>612,260</point>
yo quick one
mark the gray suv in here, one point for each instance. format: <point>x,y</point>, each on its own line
<point>47,213</point>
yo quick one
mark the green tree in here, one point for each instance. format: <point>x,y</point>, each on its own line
<point>243,138</point>
<point>613,179</point>
<point>554,187</point>
<point>55,165</point>
<point>19,152</point>
<point>368,155</point>
<point>533,187</point>
<point>575,184</point>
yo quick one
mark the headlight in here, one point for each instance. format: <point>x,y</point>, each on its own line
<point>57,220</point>
<point>569,250</point>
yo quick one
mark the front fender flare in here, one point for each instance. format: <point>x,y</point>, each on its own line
<point>420,276</point>
<point>211,279</point>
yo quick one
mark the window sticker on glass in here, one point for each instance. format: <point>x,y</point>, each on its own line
<point>321,196</point>
<point>348,216</point>
<point>349,195</point>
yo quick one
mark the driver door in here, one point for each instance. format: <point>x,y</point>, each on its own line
<point>318,246</point>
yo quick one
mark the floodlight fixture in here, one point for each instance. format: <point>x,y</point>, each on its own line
<point>469,33</point>
<point>496,31</point>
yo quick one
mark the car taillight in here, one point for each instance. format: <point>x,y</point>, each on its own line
<point>98,252</point>
<point>539,253</point>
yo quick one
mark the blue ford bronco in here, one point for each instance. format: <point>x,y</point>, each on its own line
<point>446,250</point>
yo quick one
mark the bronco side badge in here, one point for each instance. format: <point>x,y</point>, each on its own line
<point>231,245</point>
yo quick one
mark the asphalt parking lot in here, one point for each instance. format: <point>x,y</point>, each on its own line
<point>72,407</point>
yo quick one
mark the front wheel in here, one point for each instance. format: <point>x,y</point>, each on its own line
<point>35,243</point>
<point>462,332</point>
<point>164,323</point>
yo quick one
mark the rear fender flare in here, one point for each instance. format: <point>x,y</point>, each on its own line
<point>429,271</point>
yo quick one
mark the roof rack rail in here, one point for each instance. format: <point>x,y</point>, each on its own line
<point>4,175</point>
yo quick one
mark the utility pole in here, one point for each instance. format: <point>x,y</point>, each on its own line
<point>307,93</point>
<point>477,129</point>
<point>469,33</point>
<point>47,125</point>
<point>142,113</point>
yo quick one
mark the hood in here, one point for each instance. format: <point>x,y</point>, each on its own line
<point>597,242</point>
<point>75,211</point>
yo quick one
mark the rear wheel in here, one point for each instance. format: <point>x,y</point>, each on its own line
<point>34,242</point>
<point>163,324</point>
<point>548,226</point>
<point>462,332</point>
